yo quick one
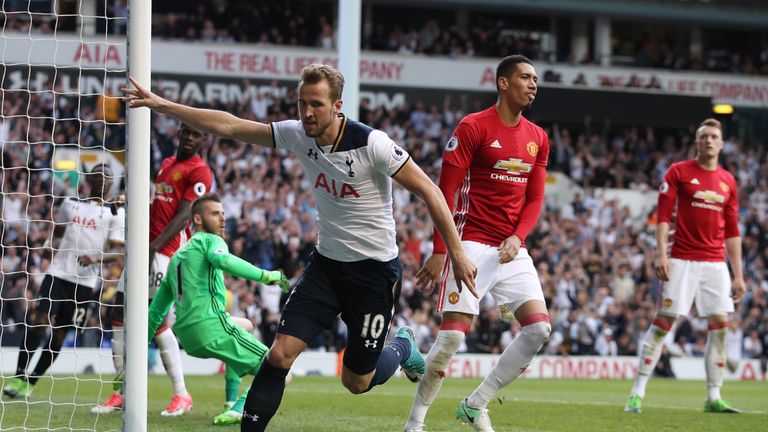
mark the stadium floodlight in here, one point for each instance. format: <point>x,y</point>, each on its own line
<point>722,109</point>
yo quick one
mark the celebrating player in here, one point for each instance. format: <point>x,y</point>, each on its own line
<point>83,229</point>
<point>706,199</point>
<point>354,269</point>
<point>182,179</point>
<point>496,160</point>
<point>195,286</point>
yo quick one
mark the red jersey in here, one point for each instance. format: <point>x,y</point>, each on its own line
<point>176,182</point>
<point>707,210</point>
<point>500,172</point>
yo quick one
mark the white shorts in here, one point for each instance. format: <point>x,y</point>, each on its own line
<point>511,284</point>
<point>707,283</point>
<point>157,270</point>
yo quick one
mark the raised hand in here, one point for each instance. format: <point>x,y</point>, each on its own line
<point>141,97</point>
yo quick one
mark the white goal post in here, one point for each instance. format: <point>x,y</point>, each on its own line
<point>60,117</point>
<point>137,222</point>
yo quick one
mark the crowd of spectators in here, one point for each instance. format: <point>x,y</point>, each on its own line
<point>312,24</point>
<point>594,258</point>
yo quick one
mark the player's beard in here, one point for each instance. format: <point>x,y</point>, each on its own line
<point>321,128</point>
<point>213,228</point>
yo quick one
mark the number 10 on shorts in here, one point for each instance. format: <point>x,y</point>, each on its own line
<point>376,326</point>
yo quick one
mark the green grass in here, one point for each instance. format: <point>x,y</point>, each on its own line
<point>321,404</point>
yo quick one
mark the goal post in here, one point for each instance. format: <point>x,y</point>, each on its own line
<point>137,222</point>
<point>60,118</point>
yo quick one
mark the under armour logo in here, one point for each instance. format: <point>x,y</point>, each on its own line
<point>313,154</point>
<point>371,344</point>
<point>254,417</point>
<point>349,163</point>
<point>282,323</point>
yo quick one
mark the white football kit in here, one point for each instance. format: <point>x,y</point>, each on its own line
<point>510,284</point>
<point>351,182</point>
<point>89,226</point>
<point>705,283</point>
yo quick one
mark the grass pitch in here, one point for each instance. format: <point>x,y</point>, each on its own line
<point>321,404</point>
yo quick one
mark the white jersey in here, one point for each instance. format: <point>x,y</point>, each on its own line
<point>88,227</point>
<point>351,182</point>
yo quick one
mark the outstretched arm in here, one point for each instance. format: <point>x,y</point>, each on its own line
<point>215,122</point>
<point>220,258</point>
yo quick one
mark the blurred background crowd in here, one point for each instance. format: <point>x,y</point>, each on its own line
<point>433,31</point>
<point>595,258</point>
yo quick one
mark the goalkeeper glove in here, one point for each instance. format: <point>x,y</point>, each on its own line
<point>276,276</point>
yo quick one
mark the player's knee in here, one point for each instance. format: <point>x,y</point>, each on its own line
<point>355,384</point>
<point>538,332</point>
<point>446,345</point>
<point>58,335</point>
<point>281,355</point>
<point>663,322</point>
<point>117,311</point>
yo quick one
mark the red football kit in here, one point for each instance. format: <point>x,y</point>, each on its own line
<point>707,210</point>
<point>176,181</point>
<point>500,173</point>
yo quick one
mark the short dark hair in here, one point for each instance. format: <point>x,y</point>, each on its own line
<point>508,64</point>
<point>197,206</point>
<point>317,72</point>
<point>183,126</point>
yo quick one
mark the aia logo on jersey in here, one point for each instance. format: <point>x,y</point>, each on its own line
<point>513,166</point>
<point>85,222</point>
<point>533,148</point>
<point>709,196</point>
<point>341,190</point>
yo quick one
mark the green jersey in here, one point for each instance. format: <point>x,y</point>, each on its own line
<point>194,284</point>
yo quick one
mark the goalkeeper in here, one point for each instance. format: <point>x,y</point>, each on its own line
<point>194,284</point>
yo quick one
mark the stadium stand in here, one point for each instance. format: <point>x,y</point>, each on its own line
<point>593,256</point>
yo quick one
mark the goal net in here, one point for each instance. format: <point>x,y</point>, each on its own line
<point>62,137</point>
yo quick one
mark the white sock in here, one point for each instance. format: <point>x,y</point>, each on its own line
<point>649,356</point>
<point>513,361</point>
<point>171,357</point>
<point>445,346</point>
<point>714,361</point>
<point>118,348</point>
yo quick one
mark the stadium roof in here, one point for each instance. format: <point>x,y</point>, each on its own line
<point>742,14</point>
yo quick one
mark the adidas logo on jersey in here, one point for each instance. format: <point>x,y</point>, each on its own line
<point>495,144</point>
<point>695,181</point>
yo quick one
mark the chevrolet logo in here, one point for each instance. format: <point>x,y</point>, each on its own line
<point>709,196</point>
<point>514,166</point>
